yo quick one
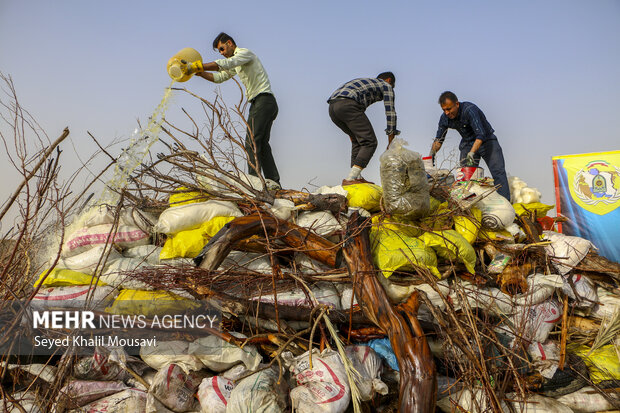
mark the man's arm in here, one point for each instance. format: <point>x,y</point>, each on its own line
<point>211,72</point>
<point>476,145</point>
<point>474,115</point>
<point>442,129</point>
<point>390,112</point>
<point>206,75</point>
<point>218,77</point>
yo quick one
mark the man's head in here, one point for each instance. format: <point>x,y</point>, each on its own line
<point>224,44</point>
<point>449,104</point>
<point>388,77</point>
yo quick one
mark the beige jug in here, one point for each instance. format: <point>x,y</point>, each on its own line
<point>177,63</point>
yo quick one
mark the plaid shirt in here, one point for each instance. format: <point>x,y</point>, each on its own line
<point>367,91</point>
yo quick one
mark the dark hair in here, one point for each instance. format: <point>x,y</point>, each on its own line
<point>447,95</point>
<point>386,76</point>
<point>223,38</point>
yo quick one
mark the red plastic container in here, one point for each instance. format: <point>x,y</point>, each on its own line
<point>428,162</point>
<point>468,173</point>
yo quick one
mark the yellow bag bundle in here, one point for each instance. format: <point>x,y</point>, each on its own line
<point>451,245</point>
<point>488,235</point>
<point>603,363</point>
<point>383,223</point>
<point>189,243</point>
<point>540,208</point>
<point>367,196</point>
<point>183,196</point>
<point>150,303</point>
<point>440,219</point>
<point>63,277</point>
<point>393,251</point>
<point>435,204</point>
<point>469,227</point>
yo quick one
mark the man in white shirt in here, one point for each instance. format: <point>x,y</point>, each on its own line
<point>263,108</point>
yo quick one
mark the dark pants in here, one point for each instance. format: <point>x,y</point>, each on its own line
<point>349,116</point>
<point>492,154</point>
<point>263,111</point>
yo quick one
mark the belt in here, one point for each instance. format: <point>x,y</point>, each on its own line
<point>260,94</point>
<point>341,98</point>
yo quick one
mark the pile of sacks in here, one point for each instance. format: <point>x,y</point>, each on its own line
<point>521,193</point>
<point>206,375</point>
<point>417,232</point>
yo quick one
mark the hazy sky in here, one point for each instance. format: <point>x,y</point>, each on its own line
<point>544,72</point>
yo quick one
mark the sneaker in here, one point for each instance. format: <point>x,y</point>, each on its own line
<point>272,185</point>
<point>359,180</point>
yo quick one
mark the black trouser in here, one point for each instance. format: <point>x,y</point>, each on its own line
<point>263,111</point>
<point>349,116</point>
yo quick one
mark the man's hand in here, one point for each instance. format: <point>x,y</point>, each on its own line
<point>194,67</point>
<point>436,147</point>
<point>470,159</point>
<point>390,139</point>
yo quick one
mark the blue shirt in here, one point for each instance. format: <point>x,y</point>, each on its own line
<point>367,91</point>
<point>470,123</point>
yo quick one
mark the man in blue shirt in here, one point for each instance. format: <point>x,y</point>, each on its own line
<point>477,138</point>
<point>346,109</point>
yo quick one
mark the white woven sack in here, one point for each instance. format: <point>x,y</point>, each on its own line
<point>586,296</point>
<point>214,393</point>
<point>87,261</point>
<point>174,389</point>
<point>147,253</point>
<point>130,400</point>
<point>116,274</point>
<point>545,357</point>
<point>105,214</point>
<point>322,293</point>
<point>124,236</point>
<point>219,355</point>
<point>566,251</point>
<point>170,352</point>
<point>368,365</point>
<point>74,296</point>
<point>586,400</point>
<point>322,223</point>
<point>259,392</point>
<point>191,216</point>
<point>322,388</point>
<point>536,322</point>
<point>497,211</point>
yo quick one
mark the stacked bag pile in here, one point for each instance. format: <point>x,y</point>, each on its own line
<point>422,239</point>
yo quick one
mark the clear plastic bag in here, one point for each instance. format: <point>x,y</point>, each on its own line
<point>405,185</point>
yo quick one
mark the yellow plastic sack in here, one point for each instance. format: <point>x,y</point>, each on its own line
<point>440,219</point>
<point>469,227</point>
<point>183,197</point>
<point>63,277</point>
<point>450,245</point>
<point>540,208</point>
<point>487,234</point>
<point>393,251</point>
<point>392,224</point>
<point>367,196</point>
<point>435,203</point>
<point>150,303</point>
<point>189,243</point>
<point>602,363</point>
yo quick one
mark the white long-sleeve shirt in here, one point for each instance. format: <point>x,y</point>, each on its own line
<point>250,70</point>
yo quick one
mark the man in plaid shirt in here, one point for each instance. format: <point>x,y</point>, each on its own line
<point>346,109</point>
